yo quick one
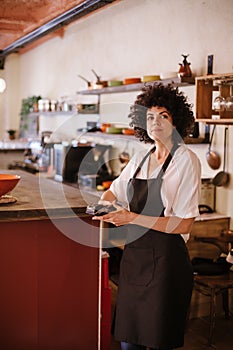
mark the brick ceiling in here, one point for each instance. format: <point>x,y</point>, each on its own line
<point>21,17</point>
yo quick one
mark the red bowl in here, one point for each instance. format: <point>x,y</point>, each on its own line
<point>128,131</point>
<point>106,184</point>
<point>104,126</point>
<point>128,81</point>
<point>8,183</point>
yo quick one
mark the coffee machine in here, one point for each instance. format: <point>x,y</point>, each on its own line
<point>79,163</point>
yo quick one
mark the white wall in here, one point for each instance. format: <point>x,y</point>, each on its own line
<point>130,38</point>
<point>10,101</point>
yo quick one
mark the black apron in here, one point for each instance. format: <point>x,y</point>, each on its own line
<point>156,276</point>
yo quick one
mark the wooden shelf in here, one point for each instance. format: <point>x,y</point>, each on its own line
<point>216,121</point>
<point>195,140</point>
<point>205,86</point>
<point>188,140</point>
<point>225,77</point>
<point>108,136</point>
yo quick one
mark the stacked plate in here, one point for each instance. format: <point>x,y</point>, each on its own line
<point>147,78</point>
<point>114,130</point>
<point>168,75</point>
<point>128,81</point>
<point>115,82</point>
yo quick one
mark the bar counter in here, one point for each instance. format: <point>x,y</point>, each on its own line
<point>49,268</point>
<point>39,198</point>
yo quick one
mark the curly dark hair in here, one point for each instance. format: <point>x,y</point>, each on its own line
<point>162,96</point>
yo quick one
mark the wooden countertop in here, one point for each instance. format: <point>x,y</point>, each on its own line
<point>210,216</point>
<point>41,198</point>
<point>206,219</point>
<point>14,145</point>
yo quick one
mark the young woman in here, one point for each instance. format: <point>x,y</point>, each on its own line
<point>162,188</point>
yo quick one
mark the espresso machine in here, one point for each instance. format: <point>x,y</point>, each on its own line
<point>83,163</point>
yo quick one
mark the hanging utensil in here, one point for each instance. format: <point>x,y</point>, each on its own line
<point>124,156</point>
<point>213,157</point>
<point>87,81</point>
<point>222,178</point>
<point>99,82</point>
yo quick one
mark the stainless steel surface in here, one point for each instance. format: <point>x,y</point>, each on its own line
<point>60,151</point>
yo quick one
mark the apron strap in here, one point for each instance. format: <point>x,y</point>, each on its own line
<point>143,160</point>
<point>167,161</point>
<point>165,164</point>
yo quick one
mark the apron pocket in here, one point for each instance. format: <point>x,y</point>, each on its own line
<point>138,265</point>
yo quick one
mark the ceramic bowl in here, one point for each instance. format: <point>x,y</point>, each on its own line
<point>104,126</point>
<point>128,81</point>
<point>114,130</point>
<point>168,75</point>
<point>8,183</point>
<point>106,184</point>
<point>115,82</point>
<point>128,131</point>
<point>148,78</point>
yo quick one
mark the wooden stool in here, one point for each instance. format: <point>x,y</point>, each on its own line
<point>212,286</point>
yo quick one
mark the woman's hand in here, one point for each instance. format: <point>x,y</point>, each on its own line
<point>117,218</point>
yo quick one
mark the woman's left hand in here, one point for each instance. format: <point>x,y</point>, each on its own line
<point>117,218</point>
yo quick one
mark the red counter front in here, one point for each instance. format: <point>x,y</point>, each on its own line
<point>49,288</point>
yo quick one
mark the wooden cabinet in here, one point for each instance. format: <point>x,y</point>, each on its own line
<point>206,86</point>
<point>211,226</point>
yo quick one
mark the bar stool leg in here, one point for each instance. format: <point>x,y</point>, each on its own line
<point>225,303</point>
<point>212,315</point>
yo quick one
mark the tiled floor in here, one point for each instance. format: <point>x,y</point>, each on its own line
<point>196,336</point>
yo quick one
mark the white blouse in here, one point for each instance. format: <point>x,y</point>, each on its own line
<point>181,186</point>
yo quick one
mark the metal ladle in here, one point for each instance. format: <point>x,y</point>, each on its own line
<point>222,178</point>
<point>213,157</point>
